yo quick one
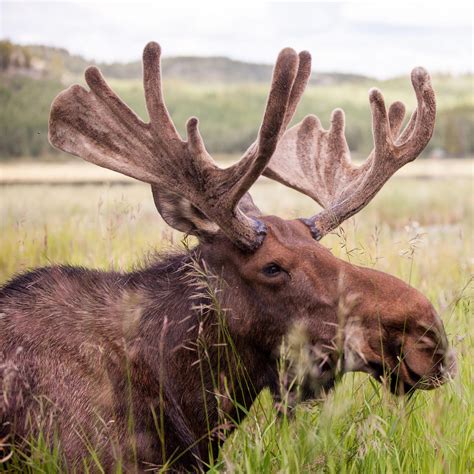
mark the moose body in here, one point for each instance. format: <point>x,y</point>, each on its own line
<point>154,367</point>
<point>106,353</point>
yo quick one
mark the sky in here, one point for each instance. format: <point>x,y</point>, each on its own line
<point>380,38</point>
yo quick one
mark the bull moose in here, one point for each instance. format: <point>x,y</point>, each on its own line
<point>155,366</point>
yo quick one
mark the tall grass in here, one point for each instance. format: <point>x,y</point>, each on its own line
<point>418,230</point>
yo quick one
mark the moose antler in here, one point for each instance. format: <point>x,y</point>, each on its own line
<point>100,128</point>
<point>317,162</point>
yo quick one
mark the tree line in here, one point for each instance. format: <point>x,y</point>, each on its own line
<point>230,114</point>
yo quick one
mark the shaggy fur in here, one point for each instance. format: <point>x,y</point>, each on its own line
<point>91,357</point>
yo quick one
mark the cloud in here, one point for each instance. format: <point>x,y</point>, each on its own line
<point>434,14</point>
<point>374,38</point>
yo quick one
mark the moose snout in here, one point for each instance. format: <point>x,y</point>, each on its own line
<point>421,357</point>
<point>426,359</point>
<point>402,344</point>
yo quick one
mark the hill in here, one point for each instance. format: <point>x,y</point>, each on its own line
<point>48,62</point>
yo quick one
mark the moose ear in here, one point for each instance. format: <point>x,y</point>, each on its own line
<point>179,213</point>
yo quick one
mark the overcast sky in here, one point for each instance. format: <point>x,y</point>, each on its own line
<point>381,38</point>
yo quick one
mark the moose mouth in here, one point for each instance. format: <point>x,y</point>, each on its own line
<point>393,380</point>
<point>319,381</point>
<point>389,377</point>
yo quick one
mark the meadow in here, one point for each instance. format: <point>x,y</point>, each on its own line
<point>417,229</point>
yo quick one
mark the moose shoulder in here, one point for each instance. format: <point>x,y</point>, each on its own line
<point>153,367</point>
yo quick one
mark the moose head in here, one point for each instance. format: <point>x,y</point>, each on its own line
<point>277,274</point>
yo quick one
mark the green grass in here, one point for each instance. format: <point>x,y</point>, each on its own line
<point>418,230</point>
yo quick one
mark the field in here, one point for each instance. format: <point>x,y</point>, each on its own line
<point>419,229</point>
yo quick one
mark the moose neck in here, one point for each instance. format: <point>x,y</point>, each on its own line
<point>186,342</point>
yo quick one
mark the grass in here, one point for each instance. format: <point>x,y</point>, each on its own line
<point>418,230</point>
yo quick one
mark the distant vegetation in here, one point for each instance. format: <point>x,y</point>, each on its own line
<point>228,96</point>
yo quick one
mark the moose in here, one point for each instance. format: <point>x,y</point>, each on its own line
<point>152,368</point>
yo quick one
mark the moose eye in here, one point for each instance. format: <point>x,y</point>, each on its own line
<point>272,270</point>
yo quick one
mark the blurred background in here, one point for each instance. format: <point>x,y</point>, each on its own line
<point>218,61</point>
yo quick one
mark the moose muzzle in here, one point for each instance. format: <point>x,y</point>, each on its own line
<point>395,334</point>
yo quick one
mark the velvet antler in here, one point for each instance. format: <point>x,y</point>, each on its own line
<point>317,162</point>
<point>100,128</point>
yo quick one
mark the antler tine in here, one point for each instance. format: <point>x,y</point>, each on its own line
<point>299,85</point>
<point>380,124</point>
<point>160,120</point>
<point>301,81</point>
<point>420,129</point>
<point>254,161</point>
<point>321,166</point>
<point>101,89</point>
<point>100,128</point>
<point>396,114</point>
